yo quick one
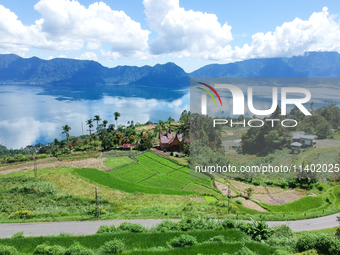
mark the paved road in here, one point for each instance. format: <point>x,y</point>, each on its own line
<point>90,227</point>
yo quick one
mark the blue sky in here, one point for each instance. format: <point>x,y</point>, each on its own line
<point>189,33</point>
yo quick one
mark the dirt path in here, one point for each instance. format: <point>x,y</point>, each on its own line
<point>85,163</point>
<point>224,188</point>
<point>250,204</point>
<point>281,198</point>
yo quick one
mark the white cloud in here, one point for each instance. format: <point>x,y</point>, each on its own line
<point>67,25</point>
<point>88,56</point>
<point>184,33</point>
<point>319,33</point>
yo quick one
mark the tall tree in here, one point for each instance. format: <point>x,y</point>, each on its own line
<point>105,123</point>
<point>116,114</point>
<point>89,122</point>
<point>97,118</point>
<point>66,130</point>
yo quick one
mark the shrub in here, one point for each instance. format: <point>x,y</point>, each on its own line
<point>78,249</point>
<point>44,249</point>
<point>18,235</point>
<point>282,241</point>
<point>132,227</point>
<point>238,201</point>
<point>219,238</point>
<point>113,246</point>
<point>21,214</point>
<point>337,233</point>
<point>306,242</point>
<point>39,187</point>
<point>7,250</point>
<point>93,211</point>
<point>323,243</point>
<point>166,226</point>
<point>322,186</point>
<point>256,183</point>
<point>197,224</point>
<point>171,153</point>
<point>106,229</point>
<point>245,251</point>
<point>258,230</point>
<point>182,241</point>
<point>282,231</point>
<point>229,223</point>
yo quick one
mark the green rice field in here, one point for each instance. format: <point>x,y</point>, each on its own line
<point>148,173</point>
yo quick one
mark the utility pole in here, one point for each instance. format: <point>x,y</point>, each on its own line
<point>35,167</point>
<point>228,197</point>
<point>97,207</point>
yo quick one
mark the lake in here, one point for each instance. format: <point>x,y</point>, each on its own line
<point>36,113</point>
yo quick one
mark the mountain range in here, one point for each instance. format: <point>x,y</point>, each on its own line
<point>87,73</point>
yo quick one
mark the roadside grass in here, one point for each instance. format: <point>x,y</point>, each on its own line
<point>79,155</point>
<point>213,248</point>
<point>317,232</point>
<point>133,241</point>
<point>115,162</point>
<point>20,193</point>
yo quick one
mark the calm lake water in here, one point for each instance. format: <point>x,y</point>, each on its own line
<point>32,114</point>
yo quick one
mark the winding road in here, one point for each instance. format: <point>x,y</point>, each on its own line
<point>90,227</point>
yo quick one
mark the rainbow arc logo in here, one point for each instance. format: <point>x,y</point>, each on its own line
<point>204,97</point>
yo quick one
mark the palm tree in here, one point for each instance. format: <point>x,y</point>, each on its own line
<point>97,118</point>
<point>116,114</point>
<point>89,122</point>
<point>105,123</point>
<point>66,129</point>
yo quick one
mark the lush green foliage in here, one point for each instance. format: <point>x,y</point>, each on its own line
<point>26,197</point>
<point>182,241</point>
<point>7,250</point>
<point>114,246</point>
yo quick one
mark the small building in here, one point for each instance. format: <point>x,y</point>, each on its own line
<point>306,140</point>
<point>170,141</point>
<point>295,146</point>
<point>126,146</point>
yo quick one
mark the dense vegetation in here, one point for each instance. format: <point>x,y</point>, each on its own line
<point>266,139</point>
<point>187,236</point>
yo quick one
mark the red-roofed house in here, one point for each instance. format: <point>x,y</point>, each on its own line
<point>169,140</point>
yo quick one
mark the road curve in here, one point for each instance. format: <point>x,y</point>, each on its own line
<point>90,227</point>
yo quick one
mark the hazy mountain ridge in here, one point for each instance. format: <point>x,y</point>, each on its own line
<point>311,65</point>
<point>87,73</point>
<point>14,69</point>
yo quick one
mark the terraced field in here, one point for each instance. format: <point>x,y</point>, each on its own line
<point>154,172</point>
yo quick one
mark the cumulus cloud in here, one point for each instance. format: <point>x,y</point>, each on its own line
<point>184,33</point>
<point>88,56</point>
<point>319,33</point>
<point>67,25</point>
